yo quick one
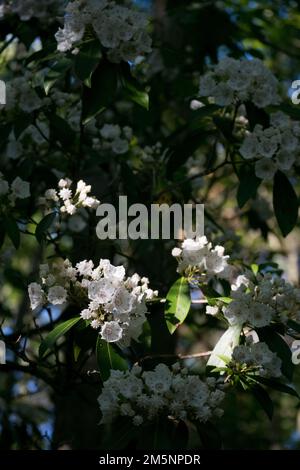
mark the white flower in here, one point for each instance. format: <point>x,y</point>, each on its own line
<point>65,193</point>
<point>137,420</point>
<point>57,295</point>
<point>85,268</point>
<point>210,310</point>
<point>36,295</point>
<point>265,169</point>
<point>110,131</point>
<point>4,187</point>
<point>51,194</point>
<point>102,291</point>
<point>120,146</point>
<point>176,252</point>
<point>249,148</point>
<point>20,188</point>
<point>64,183</point>
<point>111,332</point>
<point>86,314</point>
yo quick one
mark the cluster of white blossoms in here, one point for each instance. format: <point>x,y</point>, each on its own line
<point>234,81</point>
<point>27,9</point>
<point>121,29</point>
<point>276,147</point>
<point>18,189</point>
<point>112,302</point>
<point>144,396</point>
<point>21,95</point>
<point>258,359</point>
<point>200,261</point>
<point>259,302</point>
<point>68,201</point>
<point>114,138</point>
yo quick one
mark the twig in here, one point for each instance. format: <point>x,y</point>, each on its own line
<point>177,356</point>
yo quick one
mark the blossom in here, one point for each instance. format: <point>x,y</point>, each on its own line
<point>111,331</point>
<point>120,29</point>
<point>57,295</point>
<point>36,295</point>
<point>234,81</point>
<point>144,396</point>
<point>275,147</point>
<point>259,359</point>
<point>70,202</point>
<point>20,188</point>
<point>198,258</point>
<point>112,303</point>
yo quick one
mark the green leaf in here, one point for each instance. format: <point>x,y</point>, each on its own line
<point>276,385</point>
<point>224,358</point>
<point>285,203</point>
<point>264,400</point>
<point>136,94</point>
<point>61,329</point>
<point>248,184</point>
<point>56,72</point>
<point>132,88</point>
<point>278,345</point>
<point>108,359</point>
<point>178,304</point>
<point>104,84</point>
<point>87,60</point>
<point>225,346</point>
<point>13,231</point>
<point>44,226</point>
<point>255,269</point>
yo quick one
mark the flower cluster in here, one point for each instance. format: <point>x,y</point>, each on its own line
<point>144,396</point>
<point>256,358</point>
<point>69,201</point>
<point>27,9</point>
<point>200,261</point>
<point>114,138</point>
<point>20,94</point>
<point>121,29</point>
<point>18,189</point>
<point>234,81</point>
<point>108,299</point>
<point>259,302</point>
<point>275,147</point>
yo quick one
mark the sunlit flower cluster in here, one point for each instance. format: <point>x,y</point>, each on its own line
<point>276,147</point>
<point>234,81</point>
<point>200,261</point>
<point>163,392</point>
<point>67,200</point>
<point>109,300</point>
<point>121,29</point>
<point>260,301</point>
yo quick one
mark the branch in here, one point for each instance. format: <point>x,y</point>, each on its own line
<point>175,356</point>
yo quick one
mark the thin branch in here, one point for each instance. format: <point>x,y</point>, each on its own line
<point>174,356</point>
